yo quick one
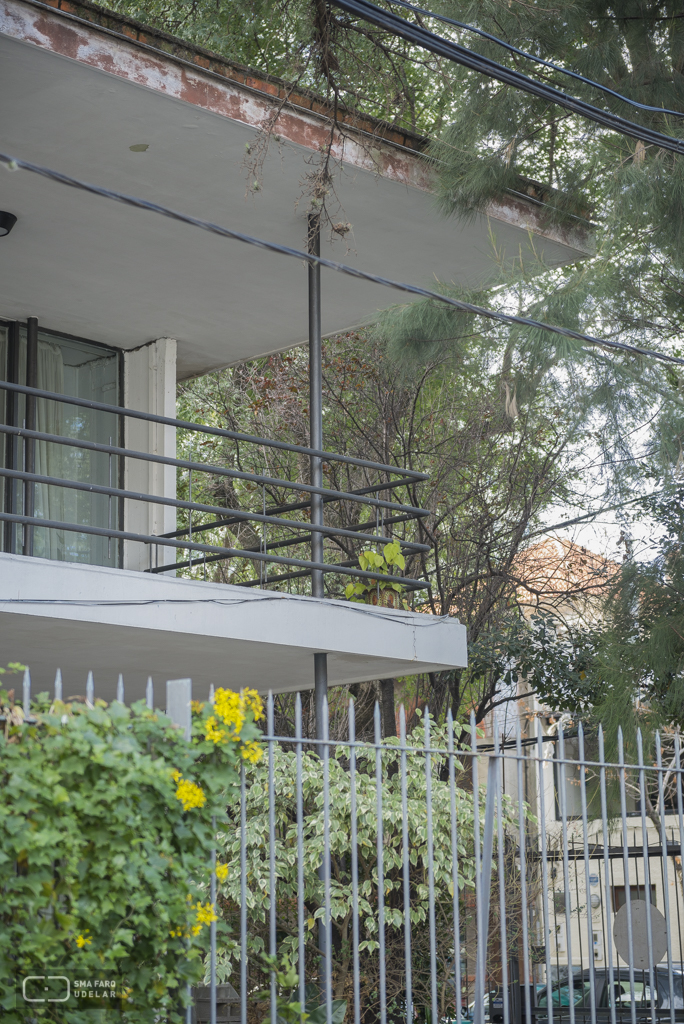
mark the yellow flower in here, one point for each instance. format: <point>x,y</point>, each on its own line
<point>176,776</point>
<point>83,940</point>
<point>213,732</point>
<point>221,872</point>
<point>190,794</point>
<point>251,751</point>
<point>203,915</point>
<point>231,709</point>
<point>196,706</point>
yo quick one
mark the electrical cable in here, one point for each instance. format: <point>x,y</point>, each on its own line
<point>419,36</point>
<point>427,293</point>
<point>530,56</point>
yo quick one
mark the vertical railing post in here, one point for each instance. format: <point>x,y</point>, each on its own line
<point>30,444</point>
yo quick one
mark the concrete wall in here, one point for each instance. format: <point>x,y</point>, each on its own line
<point>150,386</point>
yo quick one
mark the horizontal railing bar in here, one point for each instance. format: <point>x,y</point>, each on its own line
<point>271,546</point>
<point>97,531</point>
<point>302,505</point>
<point>203,428</point>
<point>468,751</point>
<point>201,467</point>
<point>280,578</point>
<point>155,499</point>
<point>576,852</point>
<point>283,577</point>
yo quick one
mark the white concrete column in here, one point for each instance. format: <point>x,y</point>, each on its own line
<point>150,386</point>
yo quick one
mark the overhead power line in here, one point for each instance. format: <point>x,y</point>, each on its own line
<point>538,60</point>
<point>419,36</point>
<point>14,163</point>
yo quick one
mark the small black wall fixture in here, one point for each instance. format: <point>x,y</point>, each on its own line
<point>7,222</point>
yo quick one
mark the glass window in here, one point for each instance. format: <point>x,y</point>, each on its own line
<point>572,773</point>
<point>560,993</point>
<point>636,892</point>
<point>623,994</point>
<point>70,367</point>
<point>677,991</point>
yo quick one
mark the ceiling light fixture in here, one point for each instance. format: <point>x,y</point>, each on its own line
<point>7,222</point>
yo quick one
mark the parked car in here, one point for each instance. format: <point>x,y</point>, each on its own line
<point>621,995</point>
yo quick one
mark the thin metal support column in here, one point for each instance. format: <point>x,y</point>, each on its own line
<point>29,443</point>
<point>315,399</point>
<point>316,441</point>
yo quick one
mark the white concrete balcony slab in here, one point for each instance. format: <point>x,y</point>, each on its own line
<point>80,617</point>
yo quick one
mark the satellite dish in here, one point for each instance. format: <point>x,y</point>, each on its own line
<point>640,934</point>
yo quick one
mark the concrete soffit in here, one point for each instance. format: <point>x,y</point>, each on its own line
<point>123,47</point>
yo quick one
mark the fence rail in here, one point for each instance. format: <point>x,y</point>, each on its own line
<point>444,876</point>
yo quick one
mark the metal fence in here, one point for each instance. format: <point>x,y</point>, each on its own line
<point>276,510</point>
<point>445,876</point>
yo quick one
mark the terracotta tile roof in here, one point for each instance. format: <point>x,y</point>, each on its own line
<point>555,568</point>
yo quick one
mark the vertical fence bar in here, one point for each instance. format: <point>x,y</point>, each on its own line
<point>431,871</point>
<point>587,884</point>
<point>90,689</point>
<point>58,684</point>
<point>647,875</point>
<point>299,796</point>
<point>545,876</point>
<point>606,869</point>
<point>149,693</point>
<point>562,799</point>
<point>680,819</point>
<point>243,895</point>
<point>380,864</point>
<point>354,863</point>
<point>499,761</point>
<point>26,693</point>
<point>272,933</point>
<point>625,867</point>
<point>327,920</point>
<point>120,689</point>
<point>478,1013</point>
<point>522,841</point>
<point>454,866</point>
<point>666,885</point>
<point>212,932</point>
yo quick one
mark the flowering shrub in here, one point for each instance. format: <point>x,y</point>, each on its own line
<point>105,844</point>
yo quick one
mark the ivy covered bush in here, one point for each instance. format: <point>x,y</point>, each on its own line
<point>105,844</point>
<point>340,833</point>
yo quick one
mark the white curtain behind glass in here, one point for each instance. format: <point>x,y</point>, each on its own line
<point>49,458</point>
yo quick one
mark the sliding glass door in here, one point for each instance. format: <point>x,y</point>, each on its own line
<point>66,366</point>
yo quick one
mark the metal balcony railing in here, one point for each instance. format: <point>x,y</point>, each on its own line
<point>231,486</point>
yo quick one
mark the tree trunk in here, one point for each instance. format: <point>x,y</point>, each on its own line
<point>389,716</point>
